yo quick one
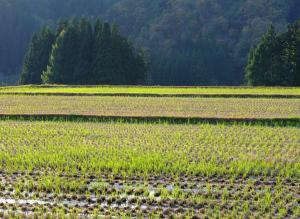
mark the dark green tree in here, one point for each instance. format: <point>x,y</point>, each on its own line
<point>163,28</point>
<point>104,72</point>
<point>291,55</point>
<point>275,60</point>
<point>63,58</point>
<point>99,54</point>
<point>37,57</point>
<point>298,54</point>
<point>260,67</point>
<point>82,68</point>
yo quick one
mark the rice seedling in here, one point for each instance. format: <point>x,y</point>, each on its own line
<point>142,90</point>
<point>151,107</point>
<point>142,168</point>
<point>147,169</point>
<point>91,148</point>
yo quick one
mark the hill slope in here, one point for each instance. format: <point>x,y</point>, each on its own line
<point>190,42</point>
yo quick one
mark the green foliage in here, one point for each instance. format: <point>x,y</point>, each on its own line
<point>258,68</point>
<point>84,54</point>
<point>275,60</point>
<point>190,42</point>
<point>37,57</point>
<point>63,57</point>
<point>115,61</point>
<point>93,54</point>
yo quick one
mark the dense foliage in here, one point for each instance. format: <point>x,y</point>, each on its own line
<point>189,41</point>
<point>81,52</point>
<point>276,59</point>
<point>37,57</point>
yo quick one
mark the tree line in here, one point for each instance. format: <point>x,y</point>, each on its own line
<point>275,61</point>
<point>190,42</point>
<point>80,51</point>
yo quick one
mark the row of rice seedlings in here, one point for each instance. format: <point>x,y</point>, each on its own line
<point>261,200</point>
<point>152,90</point>
<point>132,149</point>
<point>151,107</point>
<point>94,213</point>
<point>264,205</point>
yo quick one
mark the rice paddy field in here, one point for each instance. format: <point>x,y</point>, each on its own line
<point>81,168</point>
<point>156,91</point>
<point>150,106</point>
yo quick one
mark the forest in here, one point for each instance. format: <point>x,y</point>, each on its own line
<point>82,52</point>
<point>189,42</point>
<point>275,61</point>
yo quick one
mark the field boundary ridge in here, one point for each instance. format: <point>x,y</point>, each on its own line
<point>294,122</point>
<point>274,96</point>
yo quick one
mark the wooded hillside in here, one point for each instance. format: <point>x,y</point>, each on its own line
<point>190,42</point>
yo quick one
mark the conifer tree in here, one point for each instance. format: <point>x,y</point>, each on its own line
<point>86,54</point>
<point>103,68</point>
<point>98,28</point>
<point>119,58</point>
<point>275,60</point>
<point>297,83</point>
<point>259,70</point>
<point>292,54</point>
<point>288,56</point>
<point>63,57</point>
<point>37,57</point>
<point>82,69</point>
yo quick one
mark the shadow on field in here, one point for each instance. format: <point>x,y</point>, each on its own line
<point>282,122</point>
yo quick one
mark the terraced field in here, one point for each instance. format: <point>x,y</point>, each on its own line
<point>155,91</point>
<point>173,107</point>
<point>152,168</point>
<point>116,168</point>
